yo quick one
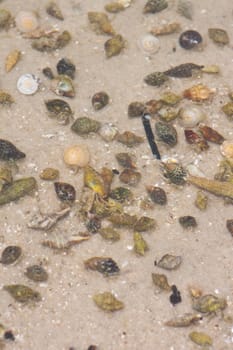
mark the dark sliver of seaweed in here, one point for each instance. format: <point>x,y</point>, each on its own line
<point>150,136</point>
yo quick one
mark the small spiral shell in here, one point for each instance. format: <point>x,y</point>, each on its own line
<point>149,44</point>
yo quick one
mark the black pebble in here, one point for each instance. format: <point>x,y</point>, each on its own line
<point>175,297</point>
<point>8,335</point>
<point>190,39</point>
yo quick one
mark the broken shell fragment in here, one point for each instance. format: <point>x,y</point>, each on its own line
<point>99,100</point>
<point>5,98</point>
<point>84,125</point>
<point>201,200</point>
<point>161,282</point>
<point>65,192</point>
<point>210,134</point>
<point>190,116</point>
<point>144,224</point>
<point>126,160</point>
<point>136,109</point>
<point>157,195</point>
<point>209,304</point>
<point>227,149</point>
<point>166,133</point>
<point>5,177</point>
<point>12,59</point>
<point>36,273</point>
<point>5,19</point>
<point>198,93</point>
<point>156,79</point>
<point>54,10</point>
<point>77,156</point>
<point>108,132</point>
<point>166,29</point>
<point>114,7</point>
<point>114,46</point>
<point>129,139</point>
<point>169,262</point>
<point>201,338</point>
<point>109,234</point>
<point>108,302</point>
<point>184,70</point>
<point>60,110</point>
<point>19,188</point>
<point>123,220</point>
<point>149,44</point>
<point>170,99</point>
<point>100,23</point>
<point>130,177</point>
<point>11,255</point>
<point>22,293</point>
<point>48,44</point>
<point>185,320</point>
<point>185,8</point>
<point>63,86</point>
<point>219,36</point>
<point>46,221</point>
<point>105,265</point>
<point>66,67</point>
<point>194,139</point>
<point>28,84</point>
<point>49,174</point>
<point>26,21</point>
<point>154,6</point>
<point>140,245</point>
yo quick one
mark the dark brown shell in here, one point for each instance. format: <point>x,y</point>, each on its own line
<point>99,100</point>
<point>9,151</point>
<point>130,177</point>
<point>10,254</point>
<point>65,191</point>
<point>136,109</point>
<point>157,195</point>
<point>187,221</point>
<point>184,70</point>
<point>210,134</point>
<point>36,273</point>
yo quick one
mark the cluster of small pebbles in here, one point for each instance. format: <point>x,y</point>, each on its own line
<point>103,201</point>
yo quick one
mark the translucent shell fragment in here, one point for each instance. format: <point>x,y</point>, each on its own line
<point>185,320</point>
<point>94,181</point>
<point>161,281</point>
<point>100,23</point>
<point>22,293</point>
<point>105,265</point>
<point>11,255</point>
<point>114,46</point>
<point>129,139</point>
<point>84,125</point>
<point>17,189</point>
<point>12,59</point>
<point>108,302</point>
<point>209,304</point>
<point>140,245</point>
<point>198,93</point>
<point>169,262</point>
<point>36,273</point>
<point>65,191</point>
<point>53,10</point>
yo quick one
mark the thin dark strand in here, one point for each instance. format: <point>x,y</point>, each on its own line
<point>150,136</point>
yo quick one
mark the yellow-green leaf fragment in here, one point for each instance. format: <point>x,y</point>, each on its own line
<point>201,338</point>
<point>94,181</point>
<point>140,245</point>
<point>17,189</point>
<point>161,281</point>
<point>209,304</point>
<point>108,302</point>
<point>22,293</point>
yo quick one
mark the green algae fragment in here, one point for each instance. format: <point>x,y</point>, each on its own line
<point>108,302</point>
<point>140,245</point>
<point>22,293</point>
<point>17,189</point>
<point>201,338</point>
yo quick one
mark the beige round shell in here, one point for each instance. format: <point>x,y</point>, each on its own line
<point>191,116</point>
<point>77,156</point>
<point>149,44</point>
<point>226,149</point>
<point>26,21</point>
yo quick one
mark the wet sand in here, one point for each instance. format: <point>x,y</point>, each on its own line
<point>67,316</point>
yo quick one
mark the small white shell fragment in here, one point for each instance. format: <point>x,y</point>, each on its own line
<point>149,44</point>
<point>108,131</point>
<point>124,3</point>
<point>194,170</point>
<point>191,116</point>
<point>28,84</point>
<point>226,149</point>
<point>26,21</point>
